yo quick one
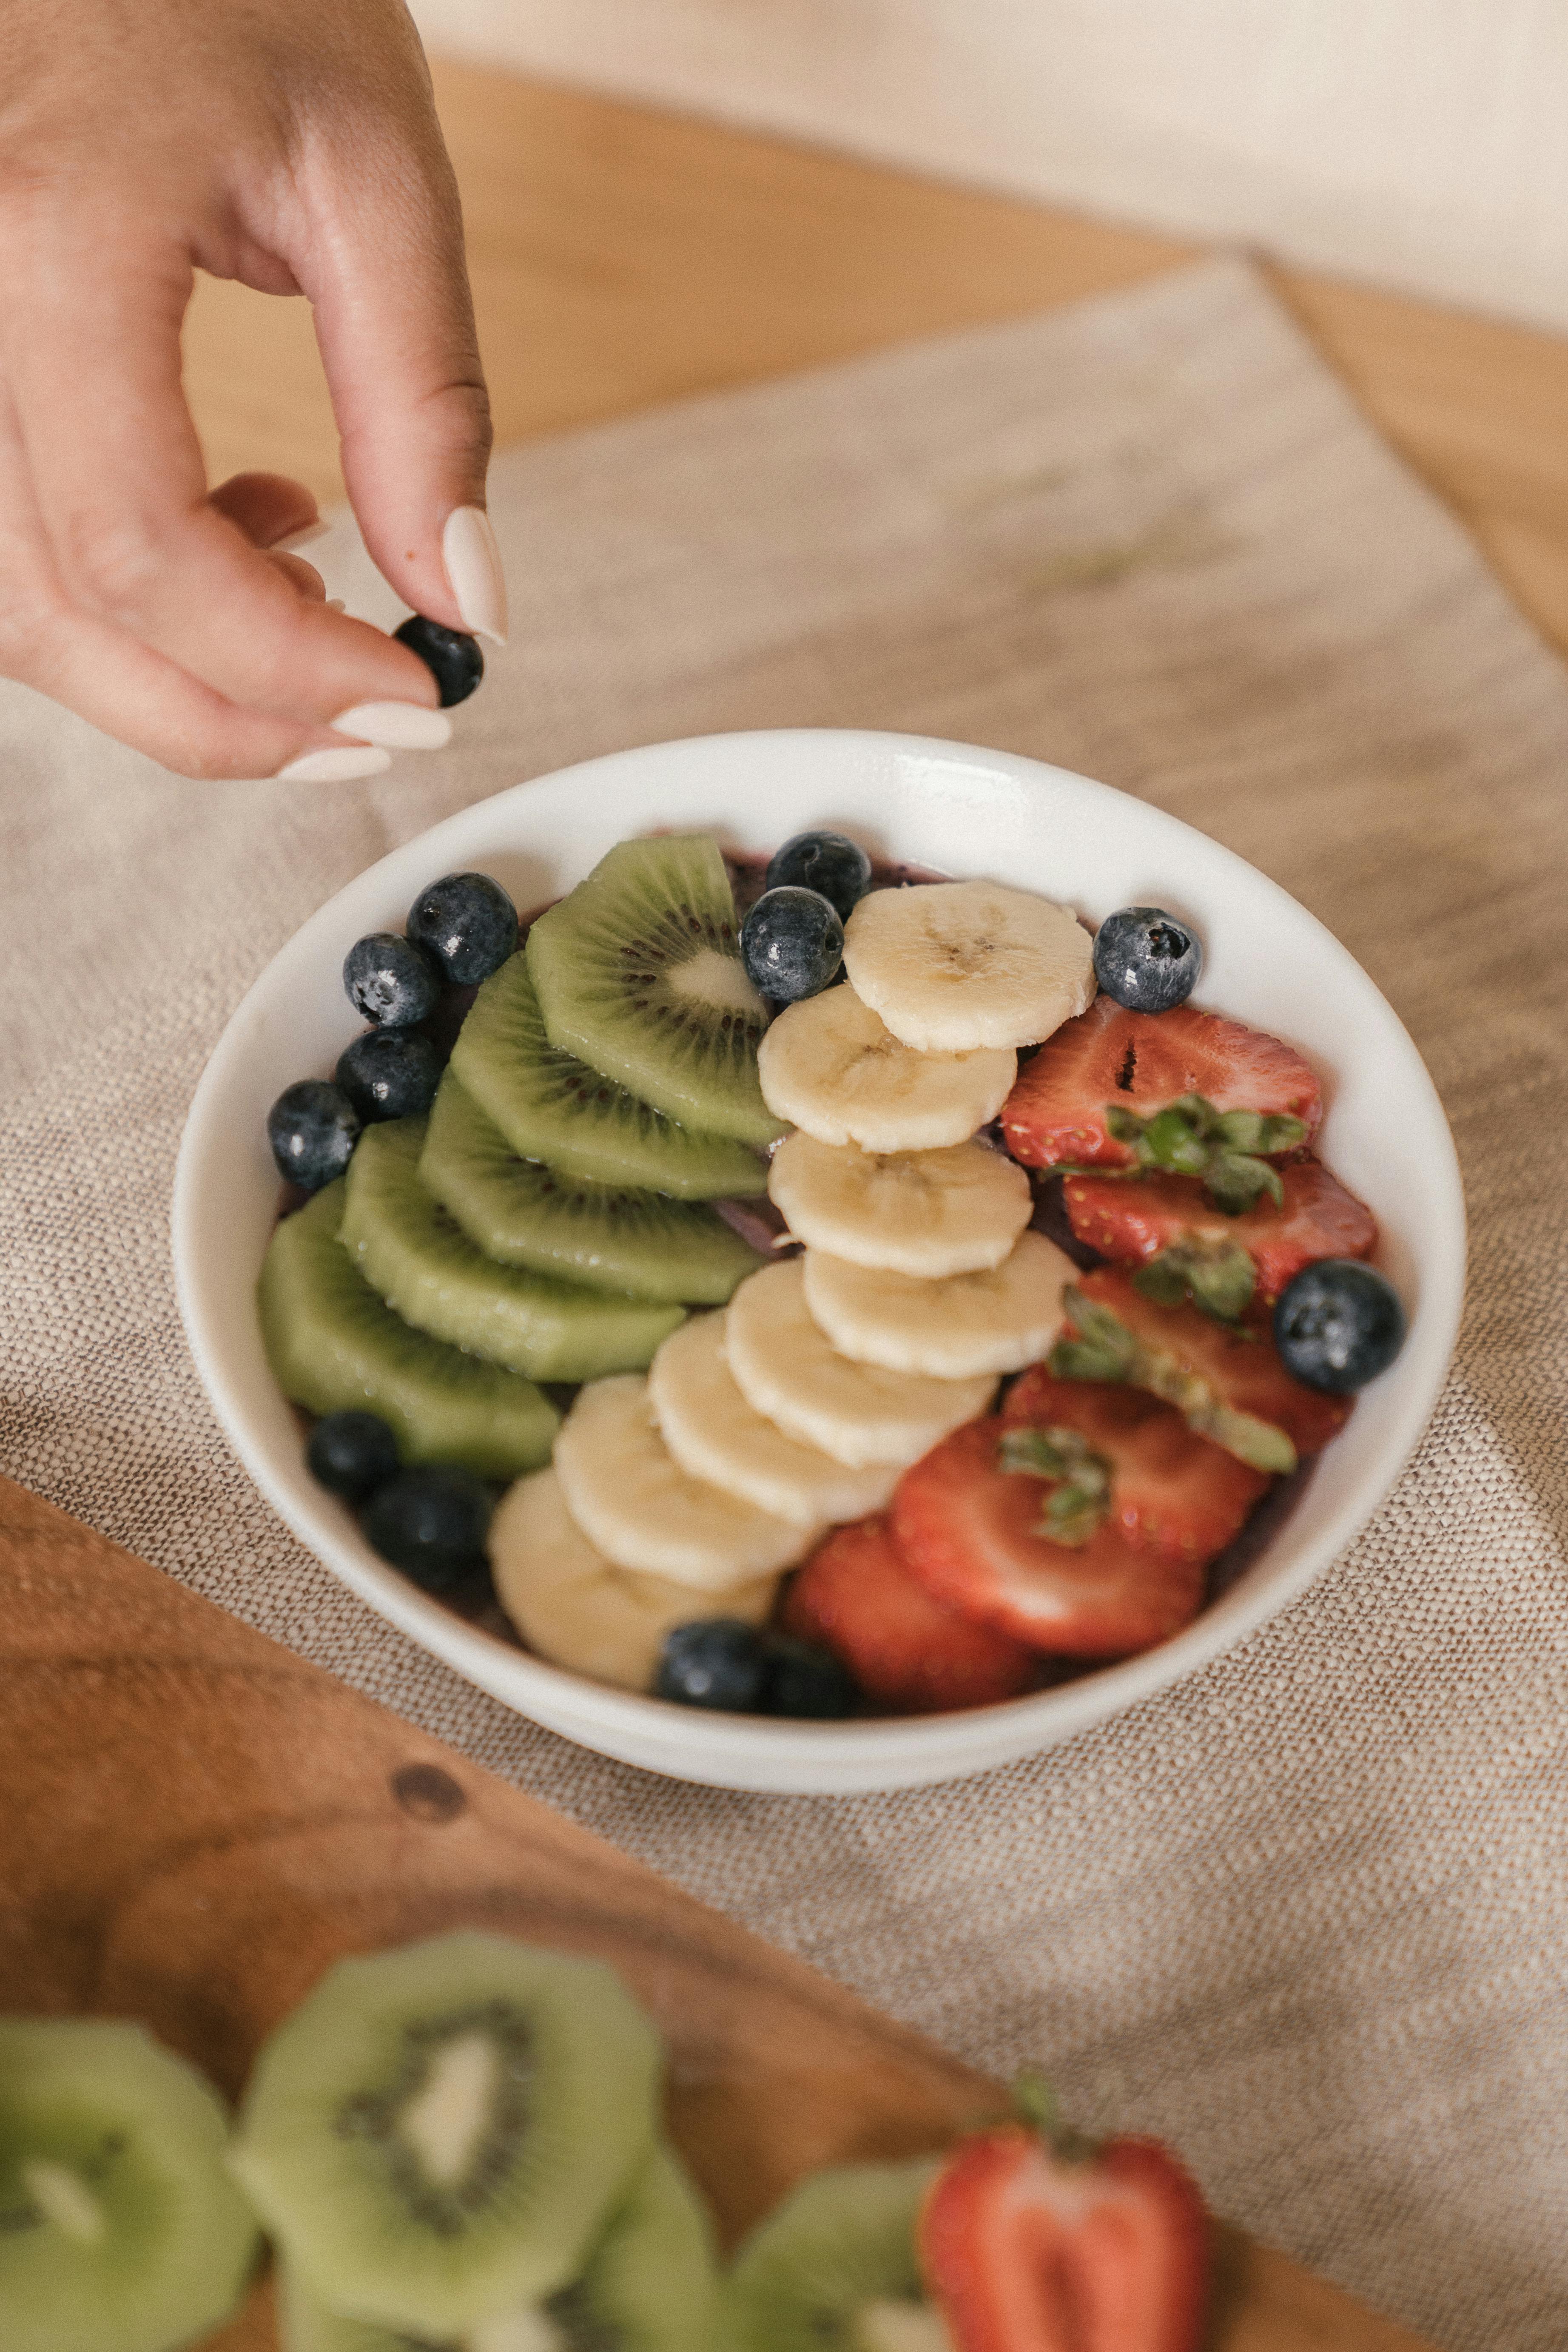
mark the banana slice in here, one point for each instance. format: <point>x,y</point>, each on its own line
<point>786,1370</point>
<point>953,966</point>
<point>994,1321</point>
<point>633,1500</point>
<point>574,1609</point>
<point>830,1065</point>
<point>714,1433</point>
<point>919,1212</point>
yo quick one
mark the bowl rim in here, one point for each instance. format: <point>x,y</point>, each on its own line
<point>866,1754</point>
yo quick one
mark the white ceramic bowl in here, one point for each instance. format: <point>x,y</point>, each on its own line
<point>966,812</point>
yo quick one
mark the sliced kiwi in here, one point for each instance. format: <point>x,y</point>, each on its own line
<point>333,1343</point>
<point>639,973</point>
<point>551,1107</point>
<point>443,2132</point>
<point>411,1251</point>
<point>811,2276</point>
<point>119,2229</point>
<point>650,2286</point>
<point>526,1215</point>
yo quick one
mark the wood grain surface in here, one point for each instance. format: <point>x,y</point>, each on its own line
<point>198,1824</point>
<point>621,256</point>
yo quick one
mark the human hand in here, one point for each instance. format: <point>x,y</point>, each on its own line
<point>293,146</point>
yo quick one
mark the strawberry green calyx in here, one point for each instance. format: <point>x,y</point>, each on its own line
<point>1227,1150</point>
<point>1036,2105</point>
<point>1078,1503</point>
<point>1103,1349</point>
<point>1218,1277</point>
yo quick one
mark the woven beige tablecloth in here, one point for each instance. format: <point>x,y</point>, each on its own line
<point>1304,1914</point>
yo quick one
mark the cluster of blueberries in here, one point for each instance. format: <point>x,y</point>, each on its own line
<point>791,942</point>
<point>431,1520</point>
<point>723,1662</point>
<point>459,931</point>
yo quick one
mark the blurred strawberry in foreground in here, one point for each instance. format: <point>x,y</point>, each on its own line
<point>1033,2239</point>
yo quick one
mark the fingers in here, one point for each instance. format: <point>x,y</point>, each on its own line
<point>395,323</point>
<point>124,687</point>
<point>269,509</point>
<point>93,359</point>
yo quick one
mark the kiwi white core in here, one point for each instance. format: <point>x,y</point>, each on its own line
<point>445,2120</point>
<point>716,980</point>
<point>900,2327</point>
<point>530,2330</point>
<point>64,2199</point>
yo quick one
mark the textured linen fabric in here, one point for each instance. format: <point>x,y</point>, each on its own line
<point>1304,1914</point>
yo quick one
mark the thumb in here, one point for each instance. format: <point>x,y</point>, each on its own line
<point>394,321</point>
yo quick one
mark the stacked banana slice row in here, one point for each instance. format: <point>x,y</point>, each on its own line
<point>689,1493</point>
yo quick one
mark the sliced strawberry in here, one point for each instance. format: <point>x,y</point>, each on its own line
<point>905,1649</point>
<point>1225,1381</point>
<point>1143,1215</point>
<point>1142,1063</point>
<point>970,1531</point>
<point>1168,1488</point>
<point>1026,2250</point>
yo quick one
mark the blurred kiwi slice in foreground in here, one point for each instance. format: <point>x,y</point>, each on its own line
<point>553,1107</point>
<point>119,2229</point>
<point>833,2269</point>
<point>638,973</point>
<point>651,2285</point>
<point>442,2133</point>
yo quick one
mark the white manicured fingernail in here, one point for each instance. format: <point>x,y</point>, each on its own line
<point>474,572</point>
<point>336,605</point>
<point>306,536</point>
<point>401,726</point>
<point>334,767</point>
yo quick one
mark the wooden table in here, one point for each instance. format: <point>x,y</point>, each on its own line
<point>622,257</point>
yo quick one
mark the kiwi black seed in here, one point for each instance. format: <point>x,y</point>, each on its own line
<point>633,1243</point>
<point>417,1257</point>
<point>552,1107</point>
<point>844,2240</point>
<point>638,973</point>
<point>120,2228</point>
<point>444,2132</point>
<point>334,1344</point>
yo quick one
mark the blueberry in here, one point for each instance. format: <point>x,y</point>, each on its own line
<point>390,980</point>
<point>791,943</point>
<point>807,1681</point>
<point>350,1453</point>
<point>828,862</point>
<point>312,1127</point>
<point>1337,1325</point>
<point>714,1662</point>
<point>1146,959</point>
<point>390,1073</point>
<point>467,923</point>
<point>431,1522</point>
<point>452,657</point>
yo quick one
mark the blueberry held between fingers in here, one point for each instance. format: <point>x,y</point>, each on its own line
<point>467,923</point>
<point>716,1662</point>
<point>350,1453</point>
<point>390,980</point>
<point>312,1127</point>
<point>1146,959</point>
<point>390,1073</point>
<point>808,1682</point>
<point>452,657</point>
<point>431,1522</point>
<point>828,862</point>
<point>791,943</point>
<point>1337,1325</point>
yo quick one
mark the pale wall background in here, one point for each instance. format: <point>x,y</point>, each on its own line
<point>1419,143</point>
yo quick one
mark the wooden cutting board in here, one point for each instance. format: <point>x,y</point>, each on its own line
<point>197,1824</point>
